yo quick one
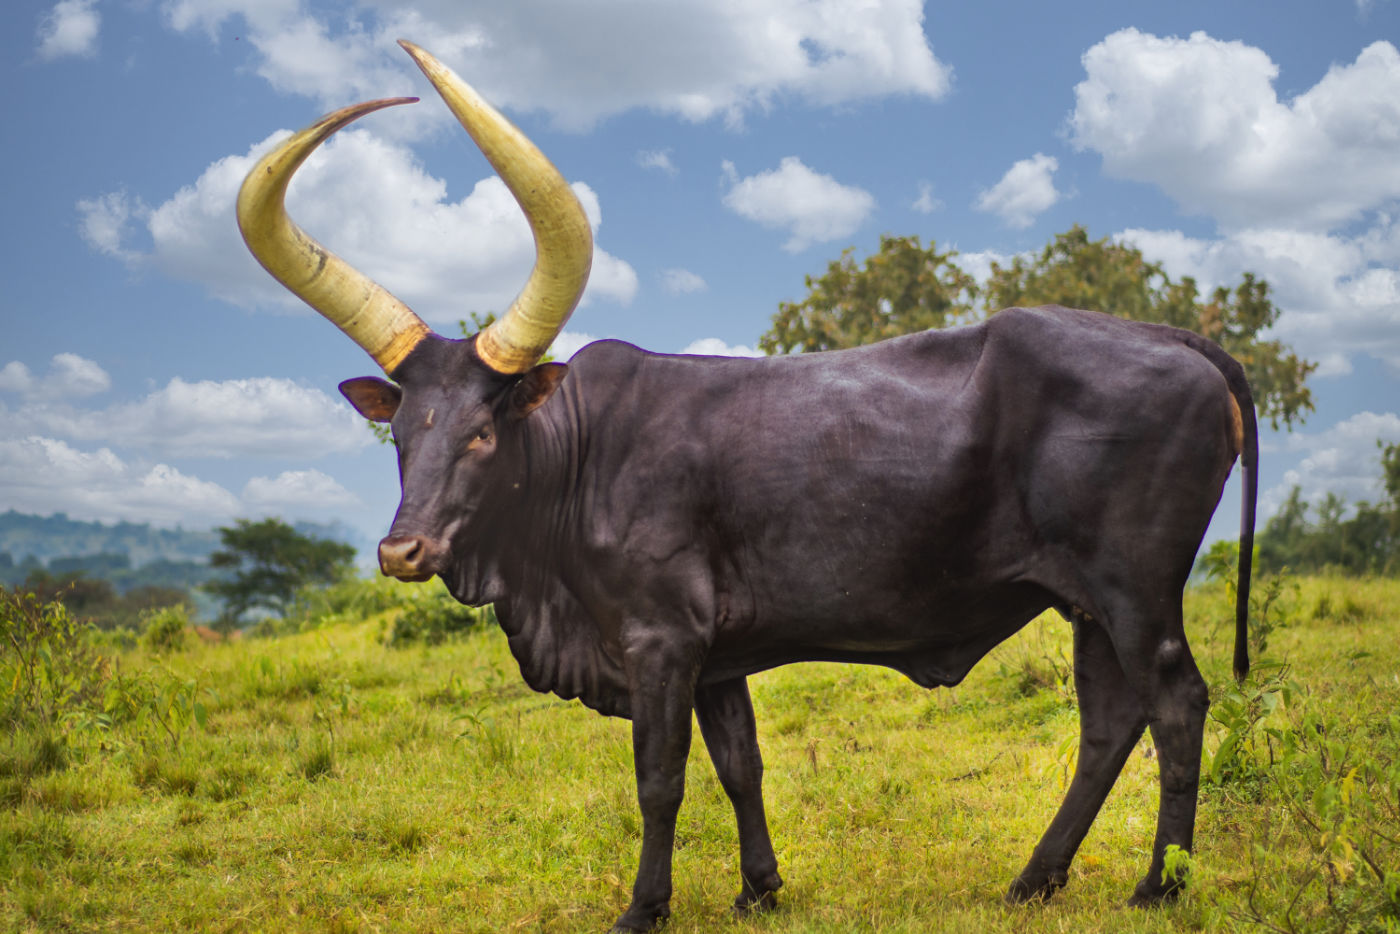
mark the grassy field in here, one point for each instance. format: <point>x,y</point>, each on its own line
<point>321,781</point>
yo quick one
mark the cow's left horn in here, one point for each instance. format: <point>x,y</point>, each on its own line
<point>373,318</point>
<point>563,239</point>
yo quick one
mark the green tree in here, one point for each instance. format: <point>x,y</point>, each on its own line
<point>1367,542</point>
<point>902,288</point>
<point>1390,473</point>
<point>1114,277</point>
<point>269,562</point>
<point>905,287</point>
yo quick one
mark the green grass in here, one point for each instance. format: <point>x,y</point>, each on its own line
<point>339,785</point>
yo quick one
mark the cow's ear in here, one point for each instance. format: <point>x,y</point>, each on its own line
<point>374,398</point>
<point>535,388</point>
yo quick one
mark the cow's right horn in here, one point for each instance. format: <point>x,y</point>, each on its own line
<point>374,319</point>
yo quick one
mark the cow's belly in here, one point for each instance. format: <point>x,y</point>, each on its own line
<point>933,643</point>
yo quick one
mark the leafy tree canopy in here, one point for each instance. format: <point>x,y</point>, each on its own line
<point>905,287</point>
<point>902,288</point>
<point>270,561</point>
<point>1367,542</point>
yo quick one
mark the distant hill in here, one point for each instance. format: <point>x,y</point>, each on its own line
<point>128,554</point>
<point>57,536</point>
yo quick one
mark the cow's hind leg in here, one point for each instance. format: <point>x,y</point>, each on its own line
<point>726,720</point>
<point>1111,719</point>
<point>1175,699</point>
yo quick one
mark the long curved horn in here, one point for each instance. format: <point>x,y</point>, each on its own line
<point>373,318</point>
<point>563,239</point>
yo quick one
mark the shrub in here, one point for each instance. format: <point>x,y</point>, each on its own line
<point>50,673</point>
<point>165,629</point>
<point>434,618</point>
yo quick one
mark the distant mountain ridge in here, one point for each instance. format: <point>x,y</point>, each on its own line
<point>44,538</point>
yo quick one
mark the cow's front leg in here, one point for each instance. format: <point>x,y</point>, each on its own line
<point>726,720</point>
<point>661,675</point>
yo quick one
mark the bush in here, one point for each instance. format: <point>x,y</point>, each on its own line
<point>434,618</point>
<point>50,672</point>
<point>352,599</point>
<point>166,629</point>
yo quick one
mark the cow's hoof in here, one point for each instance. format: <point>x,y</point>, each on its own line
<point>641,919</point>
<point>756,898</point>
<point>1150,895</point>
<point>1035,886</point>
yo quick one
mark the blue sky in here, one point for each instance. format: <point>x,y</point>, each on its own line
<point>150,371</point>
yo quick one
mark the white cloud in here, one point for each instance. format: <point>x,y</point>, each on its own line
<point>369,200</point>
<point>296,489</point>
<point>69,376</point>
<point>926,203</point>
<point>43,475</point>
<point>658,159</point>
<point>105,222</point>
<point>72,375</point>
<point>569,343</point>
<point>682,282</point>
<point>978,264</point>
<point>695,58</point>
<point>242,417</point>
<point>1201,119</point>
<point>813,208</point>
<point>70,28</point>
<point>1340,295</point>
<point>1343,459</point>
<point>1026,190</point>
<point>15,377</point>
<point>714,347</point>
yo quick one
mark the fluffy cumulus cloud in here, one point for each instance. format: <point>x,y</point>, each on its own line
<point>1340,293</point>
<point>44,475</point>
<point>445,258</point>
<point>297,490</point>
<point>69,29</point>
<point>1344,460</point>
<point>1026,190</point>
<point>1201,118</point>
<point>1304,190</point>
<point>265,417</point>
<point>811,207</point>
<point>69,376</point>
<point>699,59</point>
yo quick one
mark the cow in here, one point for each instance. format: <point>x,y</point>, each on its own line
<point>652,529</point>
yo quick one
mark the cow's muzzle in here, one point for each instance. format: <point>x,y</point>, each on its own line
<point>409,557</point>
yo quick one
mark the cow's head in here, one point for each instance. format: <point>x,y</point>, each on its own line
<point>453,404</point>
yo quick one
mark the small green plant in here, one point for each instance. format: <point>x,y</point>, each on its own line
<point>1176,866</point>
<point>1045,666</point>
<point>494,744</point>
<point>156,705</point>
<point>1247,746</point>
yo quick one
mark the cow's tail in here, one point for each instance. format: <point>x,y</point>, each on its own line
<point>1249,475</point>
<point>1248,452</point>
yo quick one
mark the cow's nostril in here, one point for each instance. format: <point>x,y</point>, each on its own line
<point>404,557</point>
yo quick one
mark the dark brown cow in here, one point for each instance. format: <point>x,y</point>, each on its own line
<point>652,529</point>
